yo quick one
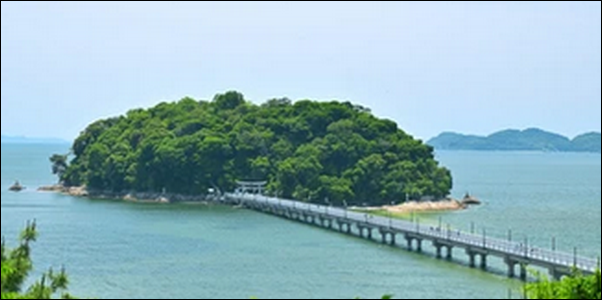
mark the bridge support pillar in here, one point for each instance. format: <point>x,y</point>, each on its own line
<point>511,268</point>
<point>438,250</point>
<point>419,245</point>
<point>472,260</point>
<point>368,234</point>
<point>409,241</point>
<point>383,235</point>
<point>557,275</point>
<point>344,227</point>
<point>484,261</point>
<point>327,223</point>
<point>450,252</point>
<point>523,272</point>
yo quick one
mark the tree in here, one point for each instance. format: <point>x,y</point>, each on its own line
<point>306,150</point>
<point>59,165</point>
<point>16,266</point>
<point>229,100</point>
<point>575,286</point>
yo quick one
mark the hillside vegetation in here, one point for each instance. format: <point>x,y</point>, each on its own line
<point>306,150</point>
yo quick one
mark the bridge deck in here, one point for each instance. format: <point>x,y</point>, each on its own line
<point>479,244</point>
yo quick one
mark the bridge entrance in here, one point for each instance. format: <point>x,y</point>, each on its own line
<point>251,187</point>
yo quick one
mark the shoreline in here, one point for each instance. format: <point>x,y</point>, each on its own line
<point>160,198</point>
<point>134,197</point>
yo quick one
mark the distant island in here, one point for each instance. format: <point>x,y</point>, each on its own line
<point>516,140</point>
<point>320,152</point>
<point>27,140</point>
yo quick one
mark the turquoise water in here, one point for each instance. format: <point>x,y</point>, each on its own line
<point>120,250</point>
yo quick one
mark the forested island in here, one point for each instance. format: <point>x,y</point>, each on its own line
<point>515,140</point>
<point>307,150</point>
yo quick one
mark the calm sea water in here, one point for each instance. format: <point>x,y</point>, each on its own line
<point>120,250</point>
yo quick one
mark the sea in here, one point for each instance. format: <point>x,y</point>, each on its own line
<point>113,249</point>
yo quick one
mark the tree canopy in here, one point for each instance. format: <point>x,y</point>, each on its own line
<point>16,266</point>
<point>306,150</point>
<point>572,287</point>
<point>59,164</point>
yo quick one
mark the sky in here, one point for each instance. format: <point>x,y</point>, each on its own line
<point>473,68</point>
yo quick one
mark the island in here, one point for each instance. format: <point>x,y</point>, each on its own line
<point>319,152</point>
<point>16,187</point>
<point>515,140</point>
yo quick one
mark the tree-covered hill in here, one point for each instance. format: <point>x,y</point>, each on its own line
<point>589,142</point>
<point>516,140</point>
<point>306,150</point>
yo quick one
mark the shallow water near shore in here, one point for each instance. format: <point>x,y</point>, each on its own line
<point>114,249</point>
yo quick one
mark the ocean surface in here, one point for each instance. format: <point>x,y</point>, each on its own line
<point>122,250</point>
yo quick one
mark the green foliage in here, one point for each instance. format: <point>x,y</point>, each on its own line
<point>307,150</point>
<point>573,287</point>
<point>59,165</point>
<point>16,266</point>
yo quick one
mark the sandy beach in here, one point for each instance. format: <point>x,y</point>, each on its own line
<point>412,207</point>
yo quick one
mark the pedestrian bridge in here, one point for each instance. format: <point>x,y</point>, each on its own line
<point>416,235</point>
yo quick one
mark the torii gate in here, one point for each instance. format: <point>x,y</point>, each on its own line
<point>251,187</point>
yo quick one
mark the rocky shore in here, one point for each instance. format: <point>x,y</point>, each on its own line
<point>125,196</point>
<point>405,208</point>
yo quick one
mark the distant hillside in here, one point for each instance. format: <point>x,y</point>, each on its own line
<point>589,142</point>
<point>516,140</point>
<point>25,140</point>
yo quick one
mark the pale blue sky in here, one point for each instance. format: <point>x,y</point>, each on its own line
<point>431,67</point>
